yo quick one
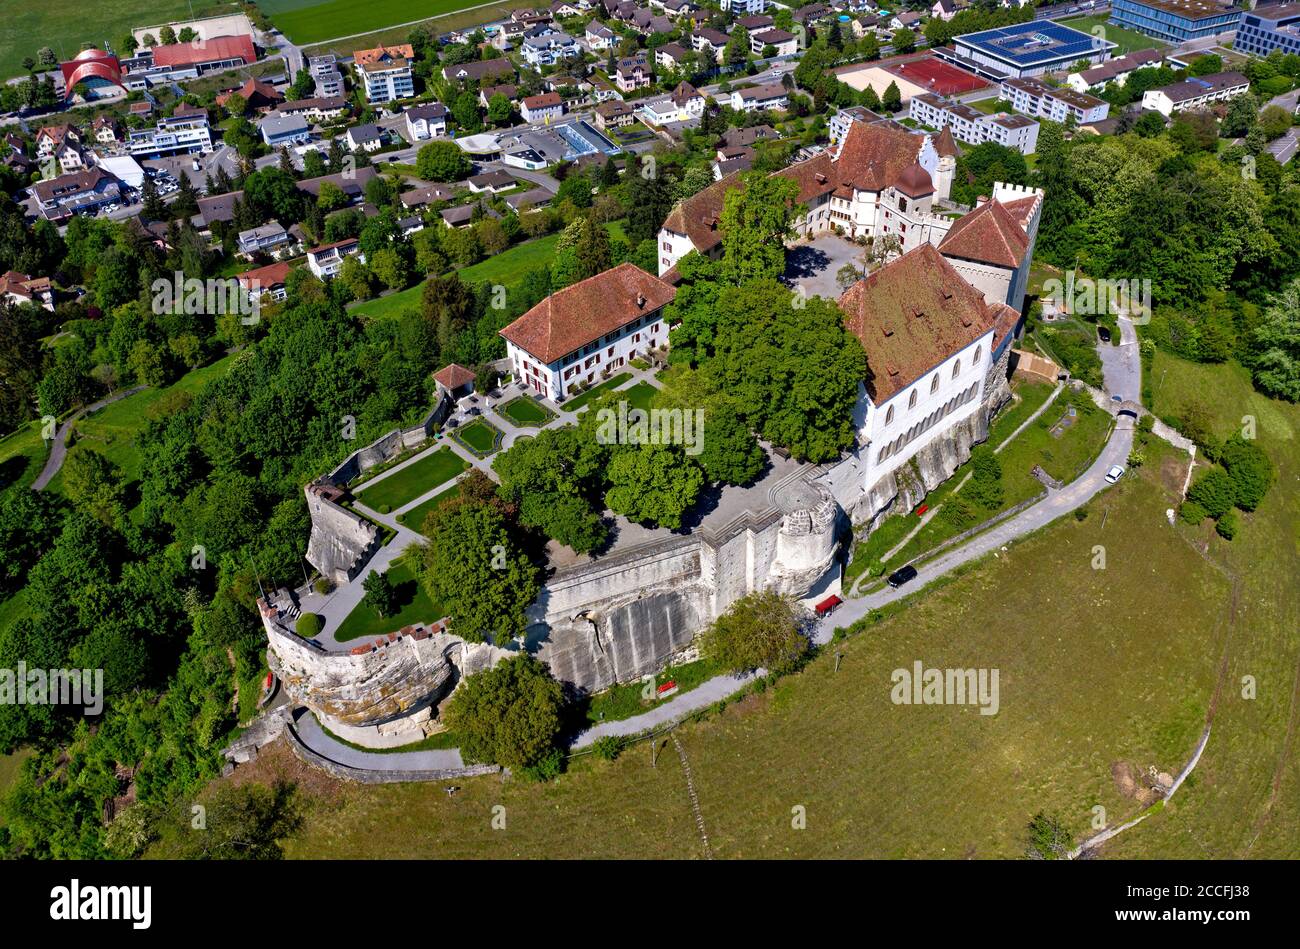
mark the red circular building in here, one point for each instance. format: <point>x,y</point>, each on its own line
<point>92,66</point>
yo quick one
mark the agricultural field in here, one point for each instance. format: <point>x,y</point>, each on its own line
<point>64,25</point>
<point>313,21</point>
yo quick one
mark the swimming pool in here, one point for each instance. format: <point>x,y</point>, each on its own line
<point>585,140</point>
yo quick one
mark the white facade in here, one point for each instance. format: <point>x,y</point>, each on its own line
<point>549,49</point>
<point>971,125</point>
<point>1176,98</point>
<point>325,262</point>
<point>760,98</point>
<point>785,43</point>
<point>919,413</point>
<point>585,367</point>
<point>744,7</point>
<point>1035,98</point>
<point>385,82</point>
<point>420,125</point>
<point>187,133</point>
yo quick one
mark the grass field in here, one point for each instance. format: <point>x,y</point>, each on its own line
<point>416,607</point>
<point>526,412</point>
<point>414,518</point>
<point>580,401</point>
<point>1128,40</point>
<point>879,779</point>
<point>466,16</point>
<point>507,269</point>
<point>305,21</point>
<point>22,455</point>
<point>479,436</point>
<point>412,481</point>
<point>639,395</point>
<point>111,431</point>
<point>64,25</point>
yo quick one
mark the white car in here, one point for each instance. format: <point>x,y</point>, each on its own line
<point>1114,474</point>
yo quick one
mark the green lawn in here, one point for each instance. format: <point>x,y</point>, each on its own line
<point>624,701</point>
<point>111,431</point>
<point>526,412</point>
<point>414,518</point>
<point>64,25</point>
<point>416,607</point>
<point>507,269</point>
<point>409,483</point>
<point>1128,40</point>
<point>639,395</point>
<point>22,455</point>
<point>580,401</point>
<point>479,436</point>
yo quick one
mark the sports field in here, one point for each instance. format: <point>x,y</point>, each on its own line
<point>64,25</point>
<point>1128,40</point>
<point>313,21</point>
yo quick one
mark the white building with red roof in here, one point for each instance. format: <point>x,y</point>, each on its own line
<point>587,330</point>
<point>326,260</point>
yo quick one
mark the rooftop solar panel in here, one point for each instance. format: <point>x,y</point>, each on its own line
<point>1033,42</point>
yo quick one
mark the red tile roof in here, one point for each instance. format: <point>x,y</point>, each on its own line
<point>216,48</point>
<point>699,217</point>
<point>945,144</point>
<point>453,376</point>
<point>911,315</point>
<point>988,235</point>
<point>272,275</point>
<point>582,313</point>
<point>365,57</point>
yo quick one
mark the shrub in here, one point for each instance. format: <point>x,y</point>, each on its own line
<point>609,747</point>
<point>1228,525</point>
<point>1250,469</point>
<point>1080,514</point>
<point>1214,491</point>
<point>384,508</point>
<point>1191,512</point>
<point>509,714</point>
<point>309,625</point>
<point>547,768</point>
<point>958,512</point>
<point>760,629</point>
<point>322,585</point>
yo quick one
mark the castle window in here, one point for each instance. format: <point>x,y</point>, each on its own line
<point>934,384</point>
<point>911,400</point>
<point>956,368</point>
<point>977,356</point>
<point>889,416</point>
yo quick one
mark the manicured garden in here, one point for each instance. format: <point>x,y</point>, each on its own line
<point>417,478</point>
<point>415,606</point>
<point>479,436</point>
<point>414,518</point>
<point>526,412</point>
<point>640,395</point>
<point>580,401</point>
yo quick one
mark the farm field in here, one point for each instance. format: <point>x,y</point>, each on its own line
<point>64,25</point>
<point>308,21</point>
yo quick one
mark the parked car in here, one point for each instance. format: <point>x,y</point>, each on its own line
<point>901,575</point>
<point>1103,334</point>
<point>1114,474</point>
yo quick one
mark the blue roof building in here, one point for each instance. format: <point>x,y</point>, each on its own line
<point>1176,21</point>
<point>1030,49</point>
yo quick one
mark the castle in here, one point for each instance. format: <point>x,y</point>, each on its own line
<point>935,322</point>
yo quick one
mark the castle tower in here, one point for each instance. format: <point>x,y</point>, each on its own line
<point>946,146</point>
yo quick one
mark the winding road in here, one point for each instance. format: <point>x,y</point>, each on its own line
<point>59,447</point>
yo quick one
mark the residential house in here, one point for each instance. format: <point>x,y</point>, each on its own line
<point>426,121</point>
<point>1033,97</point>
<point>544,107</point>
<point>79,192</point>
<point>614,113</point>
<point>670,55</point>
<point>1196,93</point>
<point>263,239</point>
<point>18,288</point>
<point>259,95</point>
<point>710,42</point>
<point>549,48</point>
<point>327,260</point>
<point>770,95</point>
<point>317,109</point>
<point>185,131</point>
<point>784,42</point>
<point>971,125</point>
<point>479,71</point>
<point>367,137</point>
<point>1113,71</point>
<point>486,93</point>
<point>107,130</point>
<point>493,181</point>
<point>268,281</point>
<point>280,130</point>
<point>632,73</point>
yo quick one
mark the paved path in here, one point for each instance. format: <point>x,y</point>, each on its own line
<point>314,737</point>
<point>59,448</point>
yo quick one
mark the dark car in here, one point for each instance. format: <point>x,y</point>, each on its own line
<point>1103,334</point>
<point>901,576</point>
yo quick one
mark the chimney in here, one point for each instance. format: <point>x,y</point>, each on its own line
<point>640,301</point>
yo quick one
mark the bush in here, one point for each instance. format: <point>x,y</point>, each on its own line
<point>322,585</point>
<point>1250,469</point>
<point>958,512</point>
<point>309,625</point>
<point>1191,512</point>
<point>1228,525</point>
<point>1214,491</point>
<point>1081,514</point>
<point>761,629</point>
<point>549,767</point>
<point>609,747</point>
